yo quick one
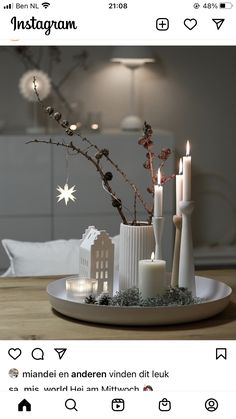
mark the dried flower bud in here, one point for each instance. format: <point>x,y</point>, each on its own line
<point>164,154</point>
<point>98,155</point>
<point>105,152</point>
<point>147,129</point>
<point>65,123</point>
<point>101,153</point>
<point>150,189</point>
<point>146,165</point>
<point>116,203</point>
<point>108,176</point>
<point>57,116</point>
<point>146,141</point>
<point>49,110</point>
<point>142,140</point>
<point>69,132</point>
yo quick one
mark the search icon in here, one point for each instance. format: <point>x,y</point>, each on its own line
<point>71,404</point>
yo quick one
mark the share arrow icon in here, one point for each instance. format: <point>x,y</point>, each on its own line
<point>218,22</point>
<point>60,351</point>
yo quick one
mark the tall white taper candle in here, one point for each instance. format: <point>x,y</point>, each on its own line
<point>179,187</point>
<point>158,197</point>
<point>187,174</point>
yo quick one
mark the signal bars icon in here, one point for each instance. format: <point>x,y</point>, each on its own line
<point>45,5</point>
<point>8,6</point>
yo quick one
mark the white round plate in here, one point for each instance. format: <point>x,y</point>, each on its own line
<point>216,296</point>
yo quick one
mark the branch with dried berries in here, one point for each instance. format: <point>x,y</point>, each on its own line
<point>104,154</point>
<point>147,142</point>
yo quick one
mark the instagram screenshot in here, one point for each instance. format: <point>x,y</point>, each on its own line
<point>117,209</point>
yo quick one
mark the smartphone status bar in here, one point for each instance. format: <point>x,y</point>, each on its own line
<point>129,22</point>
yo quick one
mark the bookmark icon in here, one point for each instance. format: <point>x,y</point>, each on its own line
<point>221,353</point>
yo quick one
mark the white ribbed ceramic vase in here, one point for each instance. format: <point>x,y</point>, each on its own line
<point>136,243</point>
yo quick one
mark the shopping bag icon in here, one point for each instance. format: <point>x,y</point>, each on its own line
<point>164,405</point>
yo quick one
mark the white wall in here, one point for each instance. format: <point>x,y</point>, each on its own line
<point>190,91</point>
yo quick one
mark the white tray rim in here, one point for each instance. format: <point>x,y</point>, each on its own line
<point>141,316</point>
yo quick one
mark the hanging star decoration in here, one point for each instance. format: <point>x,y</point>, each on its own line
<point>66,193</point>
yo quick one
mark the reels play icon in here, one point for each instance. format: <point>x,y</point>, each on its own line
<point>118,405</point>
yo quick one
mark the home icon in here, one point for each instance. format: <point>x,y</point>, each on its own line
<point>24,405</point>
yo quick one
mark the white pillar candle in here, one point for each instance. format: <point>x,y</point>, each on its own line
<point>187,174</point>
<point>158,197</point>
<point>179,187</point>
<point>152,277</point>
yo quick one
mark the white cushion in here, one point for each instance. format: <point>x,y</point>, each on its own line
<point>56,257</point>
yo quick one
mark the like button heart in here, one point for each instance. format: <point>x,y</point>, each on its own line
<point>190,23</point>
<point>14,353</point>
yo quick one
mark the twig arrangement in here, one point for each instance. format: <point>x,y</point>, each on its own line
<point>96,156</point>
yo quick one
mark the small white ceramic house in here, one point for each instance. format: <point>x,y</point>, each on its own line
<point>97,259</point>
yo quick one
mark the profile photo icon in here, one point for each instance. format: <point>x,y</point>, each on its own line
<point>13,373</point>
<point>211,405</point>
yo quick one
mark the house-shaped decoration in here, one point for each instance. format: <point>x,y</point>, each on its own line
<point>97,259</point>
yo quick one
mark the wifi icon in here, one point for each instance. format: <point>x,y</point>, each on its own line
<point>45,5</point>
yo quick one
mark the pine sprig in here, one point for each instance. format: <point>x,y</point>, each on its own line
<point>91,299</point>
<point>132,297</point>
<point>104,299</point>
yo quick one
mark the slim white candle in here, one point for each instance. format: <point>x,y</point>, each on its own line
<point>158,197</point>
<point>187,174</point>
<point>152,281</point>
<point>179,187</point>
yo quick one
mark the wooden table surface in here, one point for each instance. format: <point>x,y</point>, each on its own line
<point>25,313</point>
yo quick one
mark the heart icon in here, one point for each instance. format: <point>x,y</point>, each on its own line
<point>14,353</point>
<point>190,23</point>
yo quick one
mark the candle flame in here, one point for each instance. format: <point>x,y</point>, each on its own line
<point>187,148</point>
<point>152,256</point>
<point>159,177</point>
<point>180,166</point>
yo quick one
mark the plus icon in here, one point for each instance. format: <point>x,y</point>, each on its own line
<point>162,24</point>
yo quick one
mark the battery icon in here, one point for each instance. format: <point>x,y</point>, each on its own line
<point>226,5</point>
